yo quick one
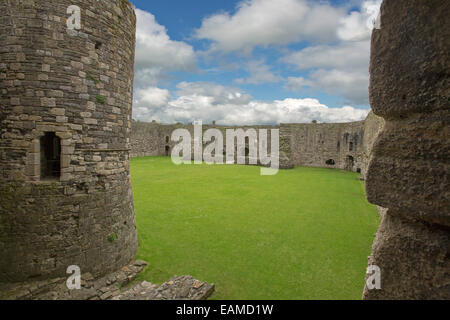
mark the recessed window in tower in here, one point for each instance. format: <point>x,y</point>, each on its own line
<point>350,146</point>
<point>50,156</point>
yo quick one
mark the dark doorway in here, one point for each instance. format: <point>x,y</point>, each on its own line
<point>350,163</point>
<point>167,151</point>
<point>330,162</point>
<point>50,156</point>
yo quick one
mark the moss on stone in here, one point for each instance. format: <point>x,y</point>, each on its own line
<point>89,76</point>
<point>112,237</point>
<point>101,99</point>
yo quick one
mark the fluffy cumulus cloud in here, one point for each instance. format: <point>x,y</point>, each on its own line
<point>335,61</point>
<point>268,22</point>
<point>259,73</point>
<point>156,53</point>
<point>358,25</point>
<point>340,69</point>
<point>149,100</point>
<point>345,55</point>
<point>229,105</point>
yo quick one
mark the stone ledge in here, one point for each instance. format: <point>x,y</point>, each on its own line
<point>109,288</point>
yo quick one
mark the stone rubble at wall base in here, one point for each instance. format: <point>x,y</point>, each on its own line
<point>111,287</point>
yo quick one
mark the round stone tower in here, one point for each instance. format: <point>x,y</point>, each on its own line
<point>66,83</point>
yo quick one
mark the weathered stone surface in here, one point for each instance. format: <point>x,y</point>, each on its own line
<point>110,287</point>
<point>409,67</point>
<point>303,144</point>
<point>409,170</point>
<point>103,288</point>
<point>72,218</point>
<point>154,139</point>
<point>177,288</point>
<point>326,145</point>
<point>413,257</point>
<point>373,125</point>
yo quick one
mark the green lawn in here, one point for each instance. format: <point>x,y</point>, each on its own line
<point>301,234</point>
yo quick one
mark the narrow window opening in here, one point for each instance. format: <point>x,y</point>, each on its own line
<point>167,139</point>
<point>247,150</point>
<point>167,151</point>
<point>50,156</point>
<point>350,147</point>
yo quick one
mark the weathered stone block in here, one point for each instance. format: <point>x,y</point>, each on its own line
<point>48,102</point>
<point>410,69</point>
<point>90,121</point>
<point>76,65</point>
<point>413,257</point>
<point>58,111</point>
<point>409,172</point>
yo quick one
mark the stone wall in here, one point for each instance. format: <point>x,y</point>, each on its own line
<point>333,145</point>
<point>330,145</point>
<point>373,125</point>
<point>76,85</point>
<point>154,139</point>
<point>150,139</point>
<point>409,170</point>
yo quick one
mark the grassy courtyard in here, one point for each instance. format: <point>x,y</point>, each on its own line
<point>302,234</point>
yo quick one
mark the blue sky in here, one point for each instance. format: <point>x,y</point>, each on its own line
<point>252,61</point>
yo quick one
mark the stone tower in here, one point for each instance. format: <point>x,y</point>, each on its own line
<point>66,82</point>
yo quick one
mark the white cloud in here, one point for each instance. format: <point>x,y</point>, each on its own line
<point>259,73</point>
<point>217,94</point>
<point>228,105</point>
<point>347,55</point>
<point>341,70</point>
<point>149,76</point>
<point>358,25</point>
<point>153,96</point>
<point>336,62</point>
<point>268,22</point>
<point>156,53</point>
<point>298,83</point>
<point>148,101</point>
<point>351,85</point>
